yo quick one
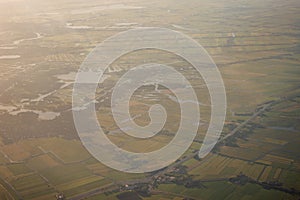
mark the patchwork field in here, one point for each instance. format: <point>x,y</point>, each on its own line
<point>255,45</point>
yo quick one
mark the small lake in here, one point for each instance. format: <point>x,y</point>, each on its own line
<point>13,110</point>
<point>41,115</point>
<point>107,7</point>
<point>8,48</point>
<point>10,57</point>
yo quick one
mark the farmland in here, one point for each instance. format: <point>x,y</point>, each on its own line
<point>255,45</point>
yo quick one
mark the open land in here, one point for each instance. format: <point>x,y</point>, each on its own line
<point>255,44</point>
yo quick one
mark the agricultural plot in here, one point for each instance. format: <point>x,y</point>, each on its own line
<point>73,172</point>
<point>224,167</point>
<point>3,159</point>
<point>6,173</point>
<point>265,175</point>
<point>225,190</point>
<point>4,194</point>
<point>64,58</point>
<point>32,186</point>
<point>290,179</point>
<point>240,153</point>
<point>277,160</point>
<point>42,162</point>
<point>40,176</point>
<point>72,151</point>
<point>15,152</point>
<point>19,169</point>
<point>81,186</point>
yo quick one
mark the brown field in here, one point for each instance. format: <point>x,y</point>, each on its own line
<point>42,162</point>
<point>5,172</point>
<point>16,152</point>
<point>265,175</point>
<point>277,173</point>
<point>78,182</point>
<point>63,58</point>
<point>98,168</point>
<point>72,151</point>
<point>4,194</point>
<point>240,153</point>
<point>277,159</point>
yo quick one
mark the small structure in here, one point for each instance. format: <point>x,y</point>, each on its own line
<point>60,196</point>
